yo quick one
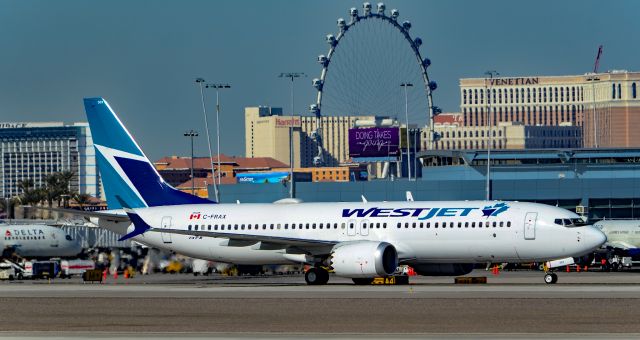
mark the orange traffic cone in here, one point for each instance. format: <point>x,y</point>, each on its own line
<point>578,268</point>
<point>568,269</point>
<point>104,275</point>
<point>126,273</point>
<point>586,268</point>
<point>115,274</point>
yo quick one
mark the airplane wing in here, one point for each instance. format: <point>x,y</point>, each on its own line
<point>299,242</point>
<point>109,216</point>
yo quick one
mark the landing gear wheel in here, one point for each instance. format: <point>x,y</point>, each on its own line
<point>550,278</point>
<point>316,276</point>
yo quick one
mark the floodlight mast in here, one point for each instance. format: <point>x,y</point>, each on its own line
<point>292,76</point>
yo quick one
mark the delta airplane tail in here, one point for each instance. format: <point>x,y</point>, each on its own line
<point>127,174</point>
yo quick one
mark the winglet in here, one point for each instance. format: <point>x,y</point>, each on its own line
<point>139,225</point>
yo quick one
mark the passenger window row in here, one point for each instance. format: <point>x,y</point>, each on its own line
<point>265,226</point>
<point>436,225</point>
<point>328,226</point>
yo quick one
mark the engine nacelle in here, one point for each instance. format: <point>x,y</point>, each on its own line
<point>364,259</point>
<point>443,269</point>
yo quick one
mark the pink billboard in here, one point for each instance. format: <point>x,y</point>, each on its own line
<point>374,142</point>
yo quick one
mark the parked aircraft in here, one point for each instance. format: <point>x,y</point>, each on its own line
<point>38,240</point>
<point>622,235</point>
<point>355,240</point>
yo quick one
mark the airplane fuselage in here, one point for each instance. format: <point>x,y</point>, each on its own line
<point>422,232</point>
<point>623,234</point>
<point>38,241</point>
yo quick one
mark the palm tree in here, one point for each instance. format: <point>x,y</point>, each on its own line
<point>52,190</point>
<point>29,196</point>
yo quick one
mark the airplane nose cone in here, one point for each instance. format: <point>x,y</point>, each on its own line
<point>594,237</point>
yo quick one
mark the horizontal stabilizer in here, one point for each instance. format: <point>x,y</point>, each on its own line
<point>139,225</point>
<point>106,215</point>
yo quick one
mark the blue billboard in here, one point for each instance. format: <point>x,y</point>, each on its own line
<point>262,177</point>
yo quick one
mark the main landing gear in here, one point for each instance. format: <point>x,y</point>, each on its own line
<point>550,278</point>
<point>316,276</point>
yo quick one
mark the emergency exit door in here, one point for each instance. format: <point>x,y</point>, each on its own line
<point>530,226</point>
<point>166,224</point>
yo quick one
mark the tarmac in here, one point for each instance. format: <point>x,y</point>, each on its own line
<point>511,305</point>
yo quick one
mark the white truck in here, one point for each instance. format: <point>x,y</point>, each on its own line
<point>620,263</point>
<point>7,272</point>
<point>75,267</point>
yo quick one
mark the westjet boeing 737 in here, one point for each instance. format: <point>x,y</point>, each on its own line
<point>353,240</point>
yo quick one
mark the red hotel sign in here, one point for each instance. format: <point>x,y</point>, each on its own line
<point>287,122</point>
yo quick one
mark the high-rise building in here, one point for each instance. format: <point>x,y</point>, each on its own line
<point>35,150</point>
<point>605,105</point>
<point>267,135</point>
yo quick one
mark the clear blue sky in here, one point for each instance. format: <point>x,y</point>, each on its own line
<point>143,56</point>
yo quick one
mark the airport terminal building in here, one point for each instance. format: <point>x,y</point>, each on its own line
<point>34,150</point>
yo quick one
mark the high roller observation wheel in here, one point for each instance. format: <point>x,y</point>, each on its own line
<point>334,42</point>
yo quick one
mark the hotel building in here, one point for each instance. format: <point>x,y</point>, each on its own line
<point>36,150</point>
<point>267,135</point>
<point>605,105</point>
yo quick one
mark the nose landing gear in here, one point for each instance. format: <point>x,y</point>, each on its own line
<point>550,278</point>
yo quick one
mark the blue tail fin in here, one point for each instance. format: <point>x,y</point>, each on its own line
<point>126,172</point>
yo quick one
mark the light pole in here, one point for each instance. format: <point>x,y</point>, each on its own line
<point>491,74</point>
<point>192,134</point>
<point>218,87</point>
<point>292,76</point>
<point>406,114</point>
<point>593,80</point>
<point>200,82</point>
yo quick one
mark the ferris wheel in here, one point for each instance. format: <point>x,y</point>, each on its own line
<point>370,64</point>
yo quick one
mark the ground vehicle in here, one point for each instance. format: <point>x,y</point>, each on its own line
<point>41,269</point>
<point>75,267</point>
<point>200,267</point>
<point>7,272</point>
<point>172,267</point>
<point>620,263</point>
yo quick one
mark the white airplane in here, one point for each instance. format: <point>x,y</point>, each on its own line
<point>621,234</point>
<point>38,240</point>
<point>353,240</point>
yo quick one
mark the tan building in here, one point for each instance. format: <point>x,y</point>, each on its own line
<point>506,135</point>
<point>267,135</point>
<point>560,100</point>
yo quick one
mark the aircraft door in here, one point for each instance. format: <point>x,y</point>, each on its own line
<point>364,227</point>
<point>351,228</point>
<point>54,240</point>
<point>166,223</point>
<point>530,226</point>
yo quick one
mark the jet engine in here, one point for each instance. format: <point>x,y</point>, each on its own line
<point>443,269</point>
<point>364,259</point>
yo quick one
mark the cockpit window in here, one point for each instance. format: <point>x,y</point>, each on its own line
<point>569,222</point>
<point>68,237</point>
<point>578,222</point>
